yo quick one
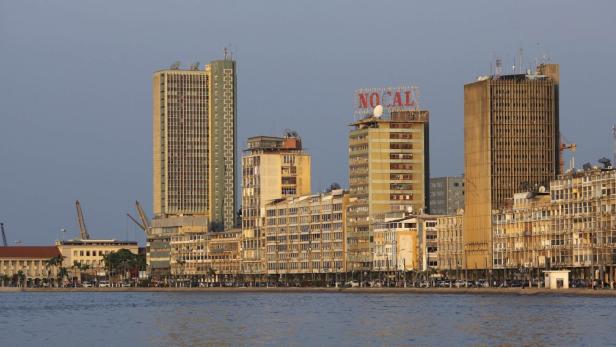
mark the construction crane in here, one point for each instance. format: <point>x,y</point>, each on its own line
<point>145,222</point>
<point>83,231</point>
<point>566,146</point>
<point>3,235</point>
<point>142,215</point>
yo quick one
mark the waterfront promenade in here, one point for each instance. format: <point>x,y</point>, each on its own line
<point>281,290</point>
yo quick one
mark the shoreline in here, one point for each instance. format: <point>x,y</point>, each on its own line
<point>282,290</point>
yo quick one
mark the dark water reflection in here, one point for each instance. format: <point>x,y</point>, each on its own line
<point>294,319</point>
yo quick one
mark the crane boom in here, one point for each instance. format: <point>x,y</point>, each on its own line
<point>144,218</point>
<point>3,235</point>
<point>136,222</point>
<point>83,231</point>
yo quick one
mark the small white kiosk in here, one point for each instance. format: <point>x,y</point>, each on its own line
<point>556,279</point>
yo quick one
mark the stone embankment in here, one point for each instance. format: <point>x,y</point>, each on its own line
<point>452,291</point>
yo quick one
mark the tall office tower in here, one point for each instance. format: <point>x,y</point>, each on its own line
<point>273,168</point>
<point>388,171</point>
<point>194,123</point>
<point>194,143</point>
<point>446,195</point>
<point>511,144</point>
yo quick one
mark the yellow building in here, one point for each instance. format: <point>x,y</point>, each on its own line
<point>91,252</point>
<point>521,231</point>
<point>272,168</point>
<point>306,235</point>
<point>449,241</point>
<point>572,226</point>
<point>31,261</point>
<point>211,256</point>
<point>194,154</point>
<point>511,144</point>
<point>396,243</point>
<point>388,171</point>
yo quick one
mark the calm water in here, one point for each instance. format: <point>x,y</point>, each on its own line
<point>295,319</point>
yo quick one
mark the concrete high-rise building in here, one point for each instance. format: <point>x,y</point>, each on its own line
<point>388,171</point>
<point>511,144</point>
<point>273,168</point>
<point>446,195</point>
<point>194,142</point>
<point>305,234</point>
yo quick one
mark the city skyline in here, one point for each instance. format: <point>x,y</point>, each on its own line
<point>95,143</point>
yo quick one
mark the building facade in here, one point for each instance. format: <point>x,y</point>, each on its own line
<point>91,252</point>
<point>28,261</point>
<point>572,226</point>
<point>210,256</point>
<point>272,168</point>
<point>306,235</point>
<point>405,241</point>
<point>194,154</point>
<point>446,195</point>
<point>511,144</point>
<point>449,241</point>
<point>388,171</point>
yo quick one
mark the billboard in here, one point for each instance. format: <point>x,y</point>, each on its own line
<point>391,98</point>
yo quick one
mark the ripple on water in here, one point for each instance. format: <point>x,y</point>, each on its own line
<point>296,319</point>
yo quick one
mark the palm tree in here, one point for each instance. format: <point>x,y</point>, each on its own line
<point>62,272</point>
<point>5,279</point>
<point>53,262</point>
<point>21,278</point>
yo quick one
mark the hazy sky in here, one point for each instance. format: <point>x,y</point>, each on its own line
<point>75,90</point>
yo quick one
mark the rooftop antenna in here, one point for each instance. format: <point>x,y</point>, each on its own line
<point>226,50</point>
<point>521,59</point>
<point>499,67</point>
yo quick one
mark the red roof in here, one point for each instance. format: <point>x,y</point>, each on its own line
<point>35,252</point>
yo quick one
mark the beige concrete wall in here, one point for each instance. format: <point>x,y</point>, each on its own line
<point>477,176</point>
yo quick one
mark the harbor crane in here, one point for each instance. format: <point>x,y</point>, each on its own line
<point>83,231</point>
<point>145,222</point>
<point>3,235</point>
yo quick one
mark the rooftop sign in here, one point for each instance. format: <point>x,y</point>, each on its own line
<point>391,98</point>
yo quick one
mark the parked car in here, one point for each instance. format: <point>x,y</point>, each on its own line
<point>104,284</point>
<point>352,284</point>
<point>87,284</point>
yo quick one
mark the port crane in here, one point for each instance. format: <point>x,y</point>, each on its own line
<point>145,222</point>
<point>83,231</point>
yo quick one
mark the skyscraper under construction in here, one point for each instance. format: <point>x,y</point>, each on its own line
<point>511,144</point>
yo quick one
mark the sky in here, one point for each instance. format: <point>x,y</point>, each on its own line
<point>75,86</point>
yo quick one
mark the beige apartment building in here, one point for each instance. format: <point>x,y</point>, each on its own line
<point>511,144</point>
<point>572,226</point>
<point>272,168</point>
<point>91,252</point>
<point>396,243</point>
<point>450,242</point>
<point>388,171</point>
<point>306,235</point>
<point>194,145</point>
<point>211,256</point>
<point>405,242</point>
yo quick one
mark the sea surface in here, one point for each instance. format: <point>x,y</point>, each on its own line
<point>304,319</point>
